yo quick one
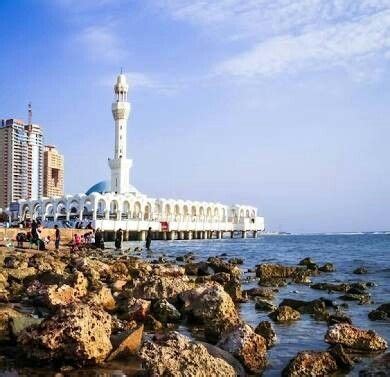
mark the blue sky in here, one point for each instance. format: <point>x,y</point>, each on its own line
<point>282,104</point>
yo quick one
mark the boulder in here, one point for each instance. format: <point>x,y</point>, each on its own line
<point>360,271</point>
<point>128,344</point>
<point>231,284</point>
<point>354,337</point>
<point>273,282</point>
<point>334,319</point>
<point>19,323</point>
<point>198,269</point>
<point>382,312</point>
<point>176,355</point>
<point>20,274</point>
<point>7,316</point>
<point>327,267</point>
<point>247,346</point>
<point>308,263</point>
<point>311,363</point>
<point>267,293</point>
<point>103,297</point>
<point>266,330</point>
<point>285,314</point>
<point>267,271</point>
<point>265,305</point>
<point>236,261</point>
<point>343,287</point>
<point>219,265</point>
<point>154,287</point>
<point>77,334</point>
<point>165,312</point>
<point>364,298</point>
<point>135,309</point>
<point>211,306</point>
<point>304,307</point>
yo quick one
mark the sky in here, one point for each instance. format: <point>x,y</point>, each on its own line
<point>280,104</point>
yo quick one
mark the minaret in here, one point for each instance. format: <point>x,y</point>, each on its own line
<point>120,165</point>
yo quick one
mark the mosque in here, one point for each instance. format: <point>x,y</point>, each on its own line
<point>118,204</point>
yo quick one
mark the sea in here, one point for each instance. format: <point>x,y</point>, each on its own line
<point>346,251</point>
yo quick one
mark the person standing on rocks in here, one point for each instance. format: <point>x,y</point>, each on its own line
<point>148,239</point>
<point>57,237</point>
<point>118,239</point>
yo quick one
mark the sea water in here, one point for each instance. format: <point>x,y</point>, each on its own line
<point>345,251</point>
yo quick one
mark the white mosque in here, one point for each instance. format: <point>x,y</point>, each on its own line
<point>121,205</point>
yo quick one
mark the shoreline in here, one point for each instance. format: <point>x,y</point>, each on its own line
<point>154,294</point>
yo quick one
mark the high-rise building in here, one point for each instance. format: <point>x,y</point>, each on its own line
<point>21,161</point>
<point>53,172</point>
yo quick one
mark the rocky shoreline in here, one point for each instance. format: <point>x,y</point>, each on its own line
<point>172,316</point>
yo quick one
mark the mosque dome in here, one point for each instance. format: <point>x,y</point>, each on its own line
<point>100,187</point>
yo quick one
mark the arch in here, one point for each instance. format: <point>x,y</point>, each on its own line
<point>101,208</point>
<point>26,214</point>
<point>114,209</point>
<point>49,210</point>
<point>61,209</point>
<point>37,212</point>
<point>177,212</point>
<point>247,213</point>
<point>208,213</point>
<point>157,211</point>
<point>87,209</point>
<point>201,213</point>
<point>167,211</point>
<point>186,212</point>
<point>126,210</point>
<point>193,212</point>
<point>74,209</point>
<point>253,214</point>
<point>241,213</point>
<point>147,211</point>
<point>137,214</point>
<point>223,214</point>
<point>216,214</point>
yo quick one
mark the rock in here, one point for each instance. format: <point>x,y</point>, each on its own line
<point>21,273</point>
<point>267,293</point>
<point>129,344</point>
<point>247,346</point>
<point>273,282</point>
<point>362,298</point>
<point>7,316</point>
<point>156,287</point>
<point>227,356</point>
<point>343,287</point>
<point>165,312</point>
<point>231,284</point>
<point>327,267</point>
<point>360,271</point>
<point>117,285</point>
<point>334,319</point>
<point>311,363</point>
<point>134,309</point>
<point>285,314</point>
<point>342,358</point>
<point>304,307</point>
<point>236,261</point>
<point>306,262</point>
<point>19,323</point>
<point>54,296</point>
<point>176,355</point>
<point>198,269</point>
<point>103,297</point>
<point>219,265</point>
<point>153,324</point>
<point>380,313</point>
<point>266,330</point>
<point>354,337</point>
<point>378,368</point>
<point>77,334</point>
<point>265,305</point>
<point>213,307</point>
<point>267,271</point>
<point>80,284</point>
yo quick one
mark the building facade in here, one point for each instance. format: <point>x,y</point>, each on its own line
<point>53,172</point>
<point>123,206</point>
<point>21,161</point>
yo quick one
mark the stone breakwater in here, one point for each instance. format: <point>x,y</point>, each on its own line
<point>73,310</point>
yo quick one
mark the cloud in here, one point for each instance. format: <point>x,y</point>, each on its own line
<point>338,45</point>
<point>101,42</point>
<point>290,36</point>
